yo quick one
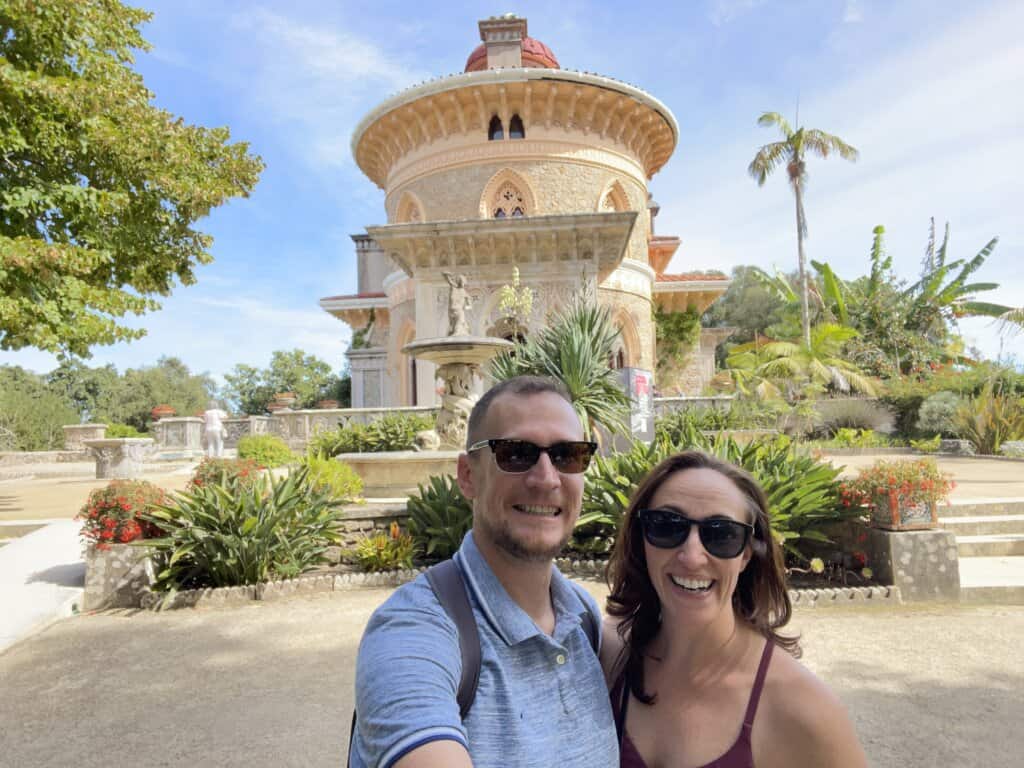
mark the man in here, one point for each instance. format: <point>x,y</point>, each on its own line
<point>541,698</point>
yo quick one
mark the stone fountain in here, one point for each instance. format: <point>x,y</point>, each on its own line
<point>458,356</point>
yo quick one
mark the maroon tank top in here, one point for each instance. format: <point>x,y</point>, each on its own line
<point>739,754</point>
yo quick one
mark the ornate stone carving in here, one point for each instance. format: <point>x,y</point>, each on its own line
<point>456,403</point>
<point>458,304</point>
<point>119,458</point>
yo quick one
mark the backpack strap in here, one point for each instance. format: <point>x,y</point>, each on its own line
<point>446,580</point>
<point>591,624</point>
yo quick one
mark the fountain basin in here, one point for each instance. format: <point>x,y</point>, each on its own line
<point>464,350</point>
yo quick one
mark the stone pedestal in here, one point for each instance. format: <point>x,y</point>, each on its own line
<point>75,434</point>
<point>923,564</point>
<point>180,434</point>
<point>116,576</point>
<point>119,458</point>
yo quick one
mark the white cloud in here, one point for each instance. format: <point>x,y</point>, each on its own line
<point>723,11</point>
<point>852,12</point>
<point>318,79</point>
<point>938,127</point>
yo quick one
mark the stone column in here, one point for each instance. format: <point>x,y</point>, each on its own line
<point>923,564</point>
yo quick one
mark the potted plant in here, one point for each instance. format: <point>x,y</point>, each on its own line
<point>161,411</point>
<point>900,495</point>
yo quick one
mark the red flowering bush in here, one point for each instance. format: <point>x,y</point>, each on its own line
<point>223,472</point>
<point>112,514</point>
<point>911,482</point>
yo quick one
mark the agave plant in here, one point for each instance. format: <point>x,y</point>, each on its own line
<point>575,348</point>
<point>439,516</point>
<point>234,533</point>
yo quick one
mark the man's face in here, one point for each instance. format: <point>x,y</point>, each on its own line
<point>529,516</point>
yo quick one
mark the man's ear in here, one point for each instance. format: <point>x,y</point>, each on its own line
<point>464,476</point>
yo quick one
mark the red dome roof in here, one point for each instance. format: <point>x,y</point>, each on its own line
<point>535,54</point>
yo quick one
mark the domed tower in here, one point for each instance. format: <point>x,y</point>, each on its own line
<point>514,163</point>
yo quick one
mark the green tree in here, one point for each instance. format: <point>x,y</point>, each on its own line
<point>307,376</point>
<point>575,347</point>
<point>94,393</point>
<point>170,382</point>
<point>31,414</point>
<point>792,150</point>
<point>748,305</point>
<point>99,189</point>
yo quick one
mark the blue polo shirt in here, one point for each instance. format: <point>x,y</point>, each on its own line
<point>541,699</point>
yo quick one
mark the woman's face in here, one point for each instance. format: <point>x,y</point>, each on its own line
<point>692,584</point>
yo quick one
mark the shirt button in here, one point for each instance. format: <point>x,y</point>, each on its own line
<point>560,658</point>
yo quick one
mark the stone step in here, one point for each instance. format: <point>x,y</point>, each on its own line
<point>992,580</point>
<point>996,545</point>
<point>983,525</point>
<point>978,507</point>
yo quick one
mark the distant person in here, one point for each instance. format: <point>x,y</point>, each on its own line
<point>540,698</point>
<point>213,422</point>
<point>692,642</point>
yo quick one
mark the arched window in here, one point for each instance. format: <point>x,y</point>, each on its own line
<point>515,128</point>
<point>509,202</point>
<point>496,132</point>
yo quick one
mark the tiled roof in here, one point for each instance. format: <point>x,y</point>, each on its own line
<point>535,54</point>
<point>375,295</point>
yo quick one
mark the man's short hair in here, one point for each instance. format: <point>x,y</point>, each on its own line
<point>517,385</point>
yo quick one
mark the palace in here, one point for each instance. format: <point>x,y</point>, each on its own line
<point>514,163</point>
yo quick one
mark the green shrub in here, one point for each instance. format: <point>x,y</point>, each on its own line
<point>937,414</point>
<point>391,432</point>
<point>852,413</point>
<point>224,471</point>
<point>265,450</point>
<point>931,445</point>
<point>123,430</point>
<point>856,438</point>
<point>235,533</point>
<point>390,551</point>
<point>740,414</point>
<point>439,516</point>
<point>990,419</point>
<point>904,404</point>
<point>337,479</point>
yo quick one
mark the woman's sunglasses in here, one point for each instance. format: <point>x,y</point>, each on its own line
<point>517,456</point>
<point>722,538</point>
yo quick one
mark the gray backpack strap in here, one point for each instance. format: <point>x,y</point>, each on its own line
<point>591,624</point>
<point>446,580</point>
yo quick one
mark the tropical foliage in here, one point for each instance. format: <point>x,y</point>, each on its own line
<point>233,533</point>
<point>335,478</point>
<point>266,450</point>
<point>575,347</point>
<point>391,432</point>
<point>439,517</point>
<point>990,419</point>
<point>389,551</point>
<point>792,151</point>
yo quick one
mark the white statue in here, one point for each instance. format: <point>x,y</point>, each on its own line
<point>458,303</point>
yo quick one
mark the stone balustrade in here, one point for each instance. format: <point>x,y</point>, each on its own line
<point>180,434</point>
<point>297,428</point>
<point>75,434</point>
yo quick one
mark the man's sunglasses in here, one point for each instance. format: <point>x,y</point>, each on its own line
<point>722,538</point>
<point>517,456</point>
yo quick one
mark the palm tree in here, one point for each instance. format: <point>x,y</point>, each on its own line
<point>791,150</point>
<point>575,347</point>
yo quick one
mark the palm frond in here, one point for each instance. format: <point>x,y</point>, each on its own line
<point>825,143</point>
<point>769,119</point>
<point>768,158</point>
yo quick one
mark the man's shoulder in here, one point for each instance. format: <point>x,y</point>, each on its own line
<point>413,600</point>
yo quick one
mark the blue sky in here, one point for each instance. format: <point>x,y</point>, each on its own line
<point>928,91</point>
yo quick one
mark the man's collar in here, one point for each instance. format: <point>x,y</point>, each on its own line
<point>510,622</point>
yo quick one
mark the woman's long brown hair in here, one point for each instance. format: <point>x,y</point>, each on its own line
<point>760,599</point>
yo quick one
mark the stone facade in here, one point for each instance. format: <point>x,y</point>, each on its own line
<point>513,163</point>
<point>116,576</point>
<point>923,565</point>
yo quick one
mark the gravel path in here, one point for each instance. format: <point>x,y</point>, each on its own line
<point>270,684</point>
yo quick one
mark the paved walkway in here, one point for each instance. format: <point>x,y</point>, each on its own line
<point>270,684</point>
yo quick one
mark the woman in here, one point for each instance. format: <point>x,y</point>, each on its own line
<point>691,644</point>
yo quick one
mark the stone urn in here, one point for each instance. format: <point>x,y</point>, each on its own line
<point>161,411</point>
<point>287,399</point>
<point>328,404</point>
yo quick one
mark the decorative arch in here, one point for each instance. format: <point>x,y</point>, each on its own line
<point>406,365</point>
<point>495,131</point>
<point>626,353</point>
<point>613,199</point>
<point>515,128</point>
<point>410,209</point>
<point>506,193</point>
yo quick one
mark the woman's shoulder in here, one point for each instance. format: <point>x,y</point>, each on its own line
<point>801,720</point>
